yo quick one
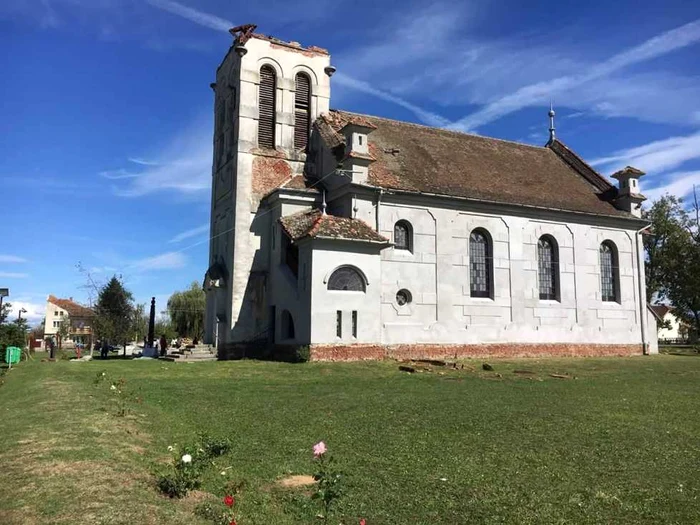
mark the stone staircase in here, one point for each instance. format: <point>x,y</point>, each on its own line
<point>193,354</point>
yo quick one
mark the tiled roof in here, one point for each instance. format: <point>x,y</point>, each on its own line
<point>298,182</point>
<point>660,310</point>
<point>73,308</point>
<point>314,224</point>
<point>418,158</point>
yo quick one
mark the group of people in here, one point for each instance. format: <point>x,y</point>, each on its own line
<point>159,344</point>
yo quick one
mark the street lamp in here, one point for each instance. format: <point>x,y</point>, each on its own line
<point>19,316</point>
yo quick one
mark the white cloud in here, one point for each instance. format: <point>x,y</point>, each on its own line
<point>360,85</point>
<point>12,259</point>
<point>539,93</point>
<point>165,261</point>
<point>13,275</point>
<point>654,157</point>
<point>204,228</point>
<point>183,166</point>
<point>679,184</point>
<point>34,311</point>
<point>193,15</point>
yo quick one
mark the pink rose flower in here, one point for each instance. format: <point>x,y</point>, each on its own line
<point>319,449</point>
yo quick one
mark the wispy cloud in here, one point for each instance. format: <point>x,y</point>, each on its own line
<point>428,117</point>
<point>654,157</point>
<point>13,275</point>
<point>193,15</point>
<point>12,259</point>
<point>539,93</point>
<point>204,228</point>
<point>184,166</point>
<point>165,261</point>
<point>142,162</point>
<point>679,184</point>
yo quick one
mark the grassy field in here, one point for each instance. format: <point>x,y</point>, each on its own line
<point>620,443</point>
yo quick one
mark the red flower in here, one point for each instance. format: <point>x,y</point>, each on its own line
<point>233,522</point>
<point>363,521</point>
<point>229,501</point>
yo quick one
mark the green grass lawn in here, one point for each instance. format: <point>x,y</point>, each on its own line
<point>620,443</point>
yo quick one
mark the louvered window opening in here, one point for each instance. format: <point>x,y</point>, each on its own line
<point>266,108</point>
<point>302,111</point>
<point>548,268</point>
<point>480,261</point>
<point>220,124</point>
<point>608,272</point>
<point>348,279</point>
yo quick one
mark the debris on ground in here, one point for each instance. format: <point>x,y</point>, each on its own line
<point>487,367</point>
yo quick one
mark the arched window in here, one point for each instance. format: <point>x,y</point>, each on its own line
<point>480,264</point>
<point>266,107</point>
<point>347,278</point>
<point>548,268</point>
<point>609,272</point>
<point>302,110</point>
<point>403,236</point>
<point>287,325</point>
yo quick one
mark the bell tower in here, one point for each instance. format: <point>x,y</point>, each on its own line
<point>267,93</point>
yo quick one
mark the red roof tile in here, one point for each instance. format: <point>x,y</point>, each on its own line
<point>314,224</point>
<point>418,158</point>
<point>74,309</point>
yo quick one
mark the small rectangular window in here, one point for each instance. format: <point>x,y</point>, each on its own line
<point>339,323</point>
<point>360,138</point>
<point>354,324</point>
<point>55,313</point>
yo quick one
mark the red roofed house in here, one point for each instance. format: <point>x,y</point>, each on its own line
<point>365,237</point>
<point>79,317</point>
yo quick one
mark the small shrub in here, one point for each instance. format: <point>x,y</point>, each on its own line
<point>178,484</point>
<point>303,354</point>
<point>217,513</point>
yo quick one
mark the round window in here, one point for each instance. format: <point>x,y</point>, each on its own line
<point>403,297</point>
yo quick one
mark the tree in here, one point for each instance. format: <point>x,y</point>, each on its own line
<point>668,220</point>
<point>186,311</point>
<point>673,255</point>
<point>63,331</point>
<point>114,312</point>
<point>11,333</point>
<point>139,322</point>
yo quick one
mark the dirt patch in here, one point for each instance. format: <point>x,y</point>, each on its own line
<point>299,480</point>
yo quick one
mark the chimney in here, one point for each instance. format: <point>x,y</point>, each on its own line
<point>629,195</point>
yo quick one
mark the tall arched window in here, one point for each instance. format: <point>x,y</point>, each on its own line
<point>266,107</point>
<point>287,325</point>
<point>548,268</point>
<point>609,272</point>
<point>480,264</point>
<point>302,110</point>
<point>403,236</point>
<point>347,278</point>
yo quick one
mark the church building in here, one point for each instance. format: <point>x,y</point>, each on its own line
<point>363,237</point>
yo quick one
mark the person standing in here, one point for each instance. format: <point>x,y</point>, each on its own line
<point>163,345</point>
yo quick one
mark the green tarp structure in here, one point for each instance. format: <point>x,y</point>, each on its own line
<point>12,355</point>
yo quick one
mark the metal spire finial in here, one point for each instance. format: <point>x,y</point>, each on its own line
<point>551,122</point>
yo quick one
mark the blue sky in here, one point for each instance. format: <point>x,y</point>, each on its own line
<point>106,110</point>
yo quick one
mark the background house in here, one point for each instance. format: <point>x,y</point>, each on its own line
<point>671,329</point>
<point>59,311</point>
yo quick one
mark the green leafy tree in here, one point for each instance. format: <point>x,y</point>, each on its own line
<point>164,327</point>
<point>673,257</point>
<point>139,325</point>
<point>11,333</point>
<point>63,331</point>
<point>186,311</point>
<point>668,221</point>
<point>114,313</point>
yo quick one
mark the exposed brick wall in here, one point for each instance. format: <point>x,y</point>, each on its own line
<point>421,351</point>
<point>269,173</point>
